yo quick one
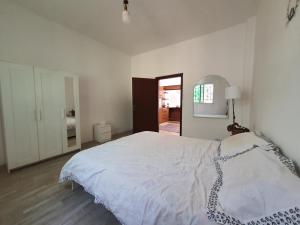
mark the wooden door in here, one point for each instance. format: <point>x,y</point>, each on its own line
<point>145,104</point>
<point>51,106</point>
<point>19,114</point>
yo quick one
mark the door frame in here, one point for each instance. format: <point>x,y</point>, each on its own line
<point>181,94</point>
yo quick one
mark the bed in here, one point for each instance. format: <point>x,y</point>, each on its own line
<point>155,179</point>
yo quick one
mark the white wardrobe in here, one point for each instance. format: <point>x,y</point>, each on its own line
<point>34,114</point>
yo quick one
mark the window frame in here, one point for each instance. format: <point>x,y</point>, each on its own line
<point>201,89</point>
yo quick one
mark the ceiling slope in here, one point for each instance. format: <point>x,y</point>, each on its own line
<point>154,23</point>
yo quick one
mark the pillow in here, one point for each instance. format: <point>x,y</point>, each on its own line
<point>254,188</point>
<point>241,142</point>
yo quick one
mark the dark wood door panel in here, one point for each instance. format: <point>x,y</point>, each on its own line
<point>145,104</point>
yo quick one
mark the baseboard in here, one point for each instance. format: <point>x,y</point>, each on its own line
<point>93,143</point>
<point>122,134</point>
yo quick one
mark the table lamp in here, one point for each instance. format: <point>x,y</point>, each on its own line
<point>232,93</point>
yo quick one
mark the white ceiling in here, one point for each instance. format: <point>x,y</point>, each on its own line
<point>154,23</point>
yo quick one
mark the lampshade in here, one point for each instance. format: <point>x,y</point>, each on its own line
<point>125,13</point>
<point>232,92</point>
<point>125,17</point>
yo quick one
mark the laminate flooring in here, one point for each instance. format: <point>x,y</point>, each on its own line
<point>32,196</point>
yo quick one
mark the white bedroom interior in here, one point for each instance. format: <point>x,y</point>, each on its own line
<point>94,56</point>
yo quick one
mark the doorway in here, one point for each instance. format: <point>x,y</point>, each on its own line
<point>170,89</point>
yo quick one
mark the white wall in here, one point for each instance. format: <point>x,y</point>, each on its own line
<point>228,53</point>
<point>276,103</point>
<point>105,79</point>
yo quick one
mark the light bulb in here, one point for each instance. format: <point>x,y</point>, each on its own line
<point>125,17</point>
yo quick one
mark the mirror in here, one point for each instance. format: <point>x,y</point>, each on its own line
<point>209,97</point>
<point>70,112</point>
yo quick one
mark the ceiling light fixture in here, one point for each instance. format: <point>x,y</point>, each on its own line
<point>125,13</point>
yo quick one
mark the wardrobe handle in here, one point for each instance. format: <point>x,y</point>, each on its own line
<point>40,115</point>
<point>36,115</point>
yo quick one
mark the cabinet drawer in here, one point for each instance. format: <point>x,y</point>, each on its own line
<point>103,129</point>
<point>103,137</point>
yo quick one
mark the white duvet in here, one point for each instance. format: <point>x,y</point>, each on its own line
<point>148,178</point>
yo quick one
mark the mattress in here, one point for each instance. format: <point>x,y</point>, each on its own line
<point>149,178</point>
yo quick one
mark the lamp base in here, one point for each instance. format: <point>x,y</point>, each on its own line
<point>235,128</point>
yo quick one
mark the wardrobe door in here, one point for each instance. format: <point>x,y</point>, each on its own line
<point>19,114</point>
<point>71,128</point>
<point>50,99</point>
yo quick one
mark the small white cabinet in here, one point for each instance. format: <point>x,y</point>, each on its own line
<point>102,132</point>
<point>34,114</point>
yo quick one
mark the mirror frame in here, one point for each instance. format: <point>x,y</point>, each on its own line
<point>208,115</point>
<point>77,114</point>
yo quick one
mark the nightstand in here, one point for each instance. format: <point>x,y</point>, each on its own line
<point>102,132</point>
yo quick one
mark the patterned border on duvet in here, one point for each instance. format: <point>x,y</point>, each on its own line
<point>291,216</point>
<point>284,160</point>
<point>277,151</point>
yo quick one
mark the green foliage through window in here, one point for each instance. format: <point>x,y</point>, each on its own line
<point>204,93</point>
<point>197,94</point>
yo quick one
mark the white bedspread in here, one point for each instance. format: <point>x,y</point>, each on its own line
<point>148,178</point>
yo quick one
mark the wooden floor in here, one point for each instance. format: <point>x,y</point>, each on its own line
<point>170,128</point>
<point>32,196</point>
